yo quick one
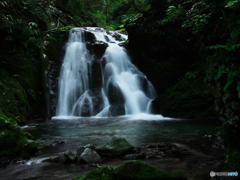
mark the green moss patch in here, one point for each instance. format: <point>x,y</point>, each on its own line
<point>102,173</point>
<point>138,170</point>
<point>116,147</point>
<point>130,170</point>
<point>14,142</point>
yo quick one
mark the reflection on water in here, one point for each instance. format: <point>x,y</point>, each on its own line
<point>99,131</point>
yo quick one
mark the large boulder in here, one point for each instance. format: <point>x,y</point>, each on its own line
<point>114,93</point>
<point>81,149</point>
<point>90,156</point>
<point>104,172</point>
<point>138,170</point>
<point>61,159</point>
<point>116,147</point>
<point>89,37</point>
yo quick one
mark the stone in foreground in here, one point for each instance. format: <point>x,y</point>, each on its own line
<point>102,173</point>
<point>130,170</point>
<point>116,147</point>
<point>138,170</point>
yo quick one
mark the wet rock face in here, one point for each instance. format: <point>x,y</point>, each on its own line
<point>95,76</point>
<point>117,36</point>
<point>97,100</point>
<point>116,99</point>
<point>143,83</point>
<point>97,49</point>
<point>114,93</point>
<point>55,51</point>
<point>86,108</point>
<point>89,37</point>
<point>117,109</point>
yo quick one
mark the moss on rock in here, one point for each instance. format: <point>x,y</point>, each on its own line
<point>116,147</point>
<point>138,170</point>
<point>14,142</point>
<point>102,173</point>
<point>130,170</point>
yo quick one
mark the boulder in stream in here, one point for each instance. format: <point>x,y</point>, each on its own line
<point>61,159</point>
<point>116,147</point>
<point>70,156</point>
<point>90,156</point>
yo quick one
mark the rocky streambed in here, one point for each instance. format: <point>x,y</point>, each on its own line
<point>188,147</point>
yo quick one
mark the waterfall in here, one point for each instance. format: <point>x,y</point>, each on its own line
<point>121,90</point>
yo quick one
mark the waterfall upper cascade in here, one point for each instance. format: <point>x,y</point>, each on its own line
<point>101,85</point>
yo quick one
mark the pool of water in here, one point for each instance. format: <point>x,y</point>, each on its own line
<point>98,131</point>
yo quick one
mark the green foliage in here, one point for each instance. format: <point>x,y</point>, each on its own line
<point>188,98</point>
<point>198,16</point>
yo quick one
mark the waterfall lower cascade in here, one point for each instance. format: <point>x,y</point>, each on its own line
<point>98,79</point>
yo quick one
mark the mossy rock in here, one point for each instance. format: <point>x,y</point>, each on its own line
<point>138,170</point>
<point>13,141</point>
<point>116,147</point>
<point>13,99</point>
<point>102,173</point>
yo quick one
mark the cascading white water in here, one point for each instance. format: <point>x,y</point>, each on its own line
<point>125,74</point>
<point>73,80</point>
<point>74,91</point>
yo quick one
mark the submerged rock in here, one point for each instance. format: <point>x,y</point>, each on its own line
<point>116,147</point>
<point>61,159</point>
<point>117,36</point>
<point>90,156</point>
<point>69,155</point>
<point>138,170</point>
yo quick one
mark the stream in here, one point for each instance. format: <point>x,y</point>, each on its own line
<point>195,163</point>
